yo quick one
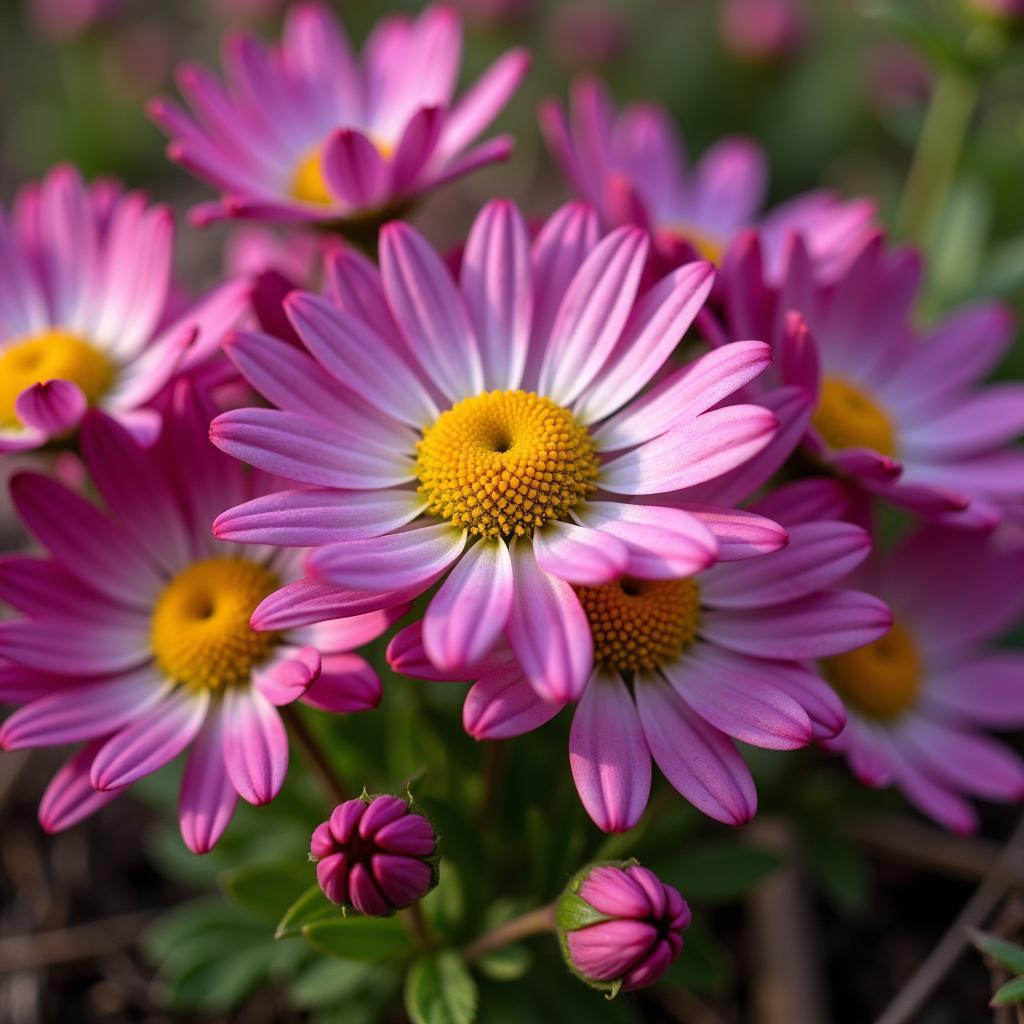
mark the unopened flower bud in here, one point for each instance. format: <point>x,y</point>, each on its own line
<point>375,854</point>
<point>620,927</point>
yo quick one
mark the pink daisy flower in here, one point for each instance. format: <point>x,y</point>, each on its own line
<point>921,698</point>
<point>632,167</point>
<point>898,411</point>
<point>305,132</point>
<point>134,634</point>
<point>685,665</point>
<point>486,435</point>
<point>85,276</point>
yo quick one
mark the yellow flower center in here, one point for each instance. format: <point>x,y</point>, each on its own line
<point>638,625</point>
<point>504,462</point>
<point>200,631</point>
<point>848,418</point>
<point>308,183</point>
<point>882,679</point>
<point>51,355</point>
<point>708,247</point>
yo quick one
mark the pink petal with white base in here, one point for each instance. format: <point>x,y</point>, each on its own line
<point>608,755</point>
<point>496,284</point>
<point>685,394</point>
<point>738,696</point>
<point>255,746</point>
<point>396,561</point>
<point>662,543</point>
<point>467,616</point>
<point>289,674</point>
<point>82,712</point>
<point>548,630</point>
<point>580,555</point>
<point>70,796</point>
<point>818,555</point>
<point>53,407</point>
<point>151,740</point>
<point>692,453</point>
<point>430,311</point>
<point>312,517</point>
<point>592,314</point>
<point>208,798</point>
<point>346,684</point>
<point>811,627</point>
<point>660,318</point>
<point>699,761</point>
<point>502,704</point>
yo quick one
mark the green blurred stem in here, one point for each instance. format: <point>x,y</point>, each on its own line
<point>938,151</point>
<point>413,919</point>
<point>533,922</point>
<point>317,757</point>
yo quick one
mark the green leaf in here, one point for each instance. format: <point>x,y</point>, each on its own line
<point>1007,954</point>
<point>328,982</point>
<point>720,871</point>
<point>1011,992</point>
<point>573,912</point>
<point>267,890</point>
<point>311,906</point>
<point>359,938</point>
<point>440,990</point>
<point>506,964</point>
<point>703,965</point>
<point>836,864</point>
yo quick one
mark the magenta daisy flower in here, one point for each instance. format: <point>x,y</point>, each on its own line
<point>487,435</point>
<point>85,276</point>
<point>684,666</point>
<point>896,410</point>
<point>306,132</point>
<point>633,169</point>
<point>920,698</point>
<point>134,634</point>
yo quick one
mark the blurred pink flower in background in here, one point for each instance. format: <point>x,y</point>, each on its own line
<point>632,166</point>
<point>900,410</point>
<point>61,20</point>
<point>763,31</point>
<point>85,294</point>
<point>586,36</point>
<point>306,132</point>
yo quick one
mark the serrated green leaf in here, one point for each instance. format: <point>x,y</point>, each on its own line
<point>1008,954</point>
<point>267,890</point>
<point>440,990</point>
<point>359,938</point>
<point>311,906</point>
<point>506,964</point>
<point>1011,992</point>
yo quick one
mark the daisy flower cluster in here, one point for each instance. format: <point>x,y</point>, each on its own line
<point>684,472</point>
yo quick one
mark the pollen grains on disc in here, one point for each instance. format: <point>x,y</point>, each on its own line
<point>54,354</point>
<point>639,625</point>
<point>882,679</point>
<point>502,463</point>
<point>847,417</point>
<point>200,630</point>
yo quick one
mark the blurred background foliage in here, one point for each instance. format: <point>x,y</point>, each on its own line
<point>839,99</point>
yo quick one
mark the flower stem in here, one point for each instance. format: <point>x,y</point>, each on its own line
<point>533,922</point>
<point>938,150</point>
<point>329,776</point>
<point>417,925</point>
